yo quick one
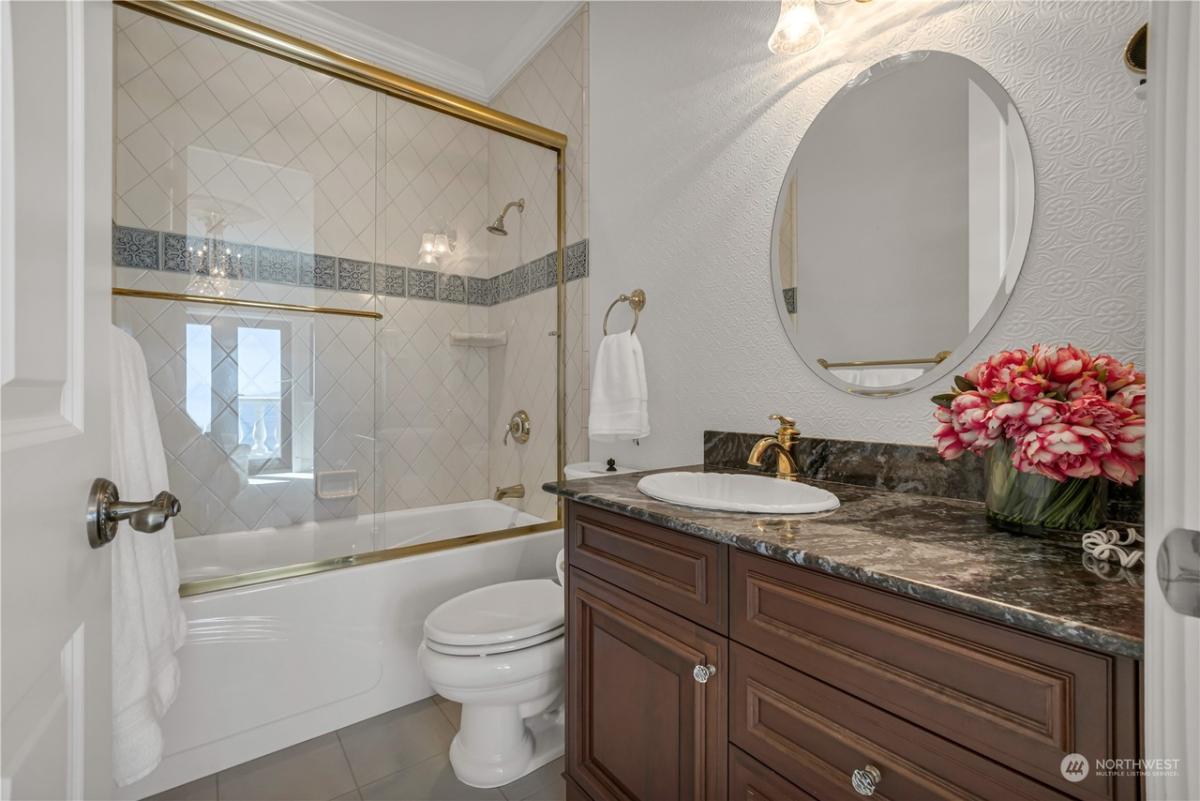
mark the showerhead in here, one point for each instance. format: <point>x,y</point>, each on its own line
<point>497,227</point>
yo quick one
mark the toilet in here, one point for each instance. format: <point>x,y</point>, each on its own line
<point>498,651</point>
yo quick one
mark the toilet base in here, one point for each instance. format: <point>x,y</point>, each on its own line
<point>527,745</point>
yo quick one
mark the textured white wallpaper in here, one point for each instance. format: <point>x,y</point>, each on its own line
<point>694,123</point>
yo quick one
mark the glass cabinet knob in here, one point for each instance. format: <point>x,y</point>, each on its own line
<point>866,780</point>
<point>702,673</point>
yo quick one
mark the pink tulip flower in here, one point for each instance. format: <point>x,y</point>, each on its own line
<point>1094,411</point>
<point>1060,365</point>
<point>1061,451</point>
<point>1132,397</point>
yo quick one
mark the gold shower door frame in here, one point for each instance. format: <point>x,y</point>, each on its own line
<point>215,22</point>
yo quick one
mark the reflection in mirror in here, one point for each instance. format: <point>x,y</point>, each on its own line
<point>902,223</point>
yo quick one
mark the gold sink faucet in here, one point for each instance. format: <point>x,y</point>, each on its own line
<point>781,443</point>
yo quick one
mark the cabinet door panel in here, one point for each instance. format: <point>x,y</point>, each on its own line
<point>642,727</point>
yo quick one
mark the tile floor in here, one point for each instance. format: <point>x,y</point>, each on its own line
<point>397,756</point>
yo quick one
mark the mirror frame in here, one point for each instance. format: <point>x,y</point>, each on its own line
<point>1026,190</point>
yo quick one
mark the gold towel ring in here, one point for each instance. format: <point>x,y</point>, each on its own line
<point>636,300</point>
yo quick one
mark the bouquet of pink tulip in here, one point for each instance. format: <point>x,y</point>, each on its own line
<point>1054,423</point>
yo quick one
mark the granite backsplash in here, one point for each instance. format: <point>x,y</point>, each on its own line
<point>888,466</point>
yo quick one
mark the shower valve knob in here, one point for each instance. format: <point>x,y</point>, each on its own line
<point>106,509</point>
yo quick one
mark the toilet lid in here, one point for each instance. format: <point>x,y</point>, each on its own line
<point>499,613</point>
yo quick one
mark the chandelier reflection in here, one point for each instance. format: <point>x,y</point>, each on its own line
<point>212,267</point>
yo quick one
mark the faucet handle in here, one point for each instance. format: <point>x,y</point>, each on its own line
<point>787,433</point>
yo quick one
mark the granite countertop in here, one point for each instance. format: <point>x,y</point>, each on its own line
<point>939,550</point>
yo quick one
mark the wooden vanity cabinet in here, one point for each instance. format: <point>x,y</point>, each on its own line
<point>643,726</point>
<point>699,672</point>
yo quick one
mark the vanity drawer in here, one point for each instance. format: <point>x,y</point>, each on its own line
<point>1022,700</point>
<point>683,574</point>
<point>817,737</point>
<point>751,780</point>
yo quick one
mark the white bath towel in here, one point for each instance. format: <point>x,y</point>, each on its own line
<point>619,391</point>
<point>148,623</point>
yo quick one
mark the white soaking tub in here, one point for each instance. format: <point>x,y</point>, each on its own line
<point>272,664</point>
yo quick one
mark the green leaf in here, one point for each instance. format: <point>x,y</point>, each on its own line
<point>1000,397</point>
<point>963,383</point>
<point>944,400</point>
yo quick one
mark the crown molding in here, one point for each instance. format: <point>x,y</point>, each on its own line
<point>550,18</point>
<point>338,32</point>
<point>320,25</point>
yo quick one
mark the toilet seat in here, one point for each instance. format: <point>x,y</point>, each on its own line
<point>499,618</point>
<point>493,648</point>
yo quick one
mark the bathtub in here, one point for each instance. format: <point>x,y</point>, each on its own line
<point>273,664</point>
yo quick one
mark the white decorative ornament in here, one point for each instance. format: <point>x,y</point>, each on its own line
<point>1110,545</point>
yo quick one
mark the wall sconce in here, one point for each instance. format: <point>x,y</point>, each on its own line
<point>798,30</point>
<point>435,245</point>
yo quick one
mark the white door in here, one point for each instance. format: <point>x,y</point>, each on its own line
<point>55,312</point>
<point>1172,663</point>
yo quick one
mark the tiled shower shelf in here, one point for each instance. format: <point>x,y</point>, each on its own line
<point>484,339</point>
<point>164,251</point>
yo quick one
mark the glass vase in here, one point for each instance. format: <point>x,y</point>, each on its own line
<point>1028,503</point>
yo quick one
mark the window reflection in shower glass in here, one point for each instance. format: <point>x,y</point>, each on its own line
<point>198,357</point>
<point>260,391</point>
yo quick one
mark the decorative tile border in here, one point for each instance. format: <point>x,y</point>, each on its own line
<point>158,250</point>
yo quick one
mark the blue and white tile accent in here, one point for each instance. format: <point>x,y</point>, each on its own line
<point>353,275</point>
<point>318,271</point>
<point>452,288</point>
<point>389,280</point>
<point>136,247</point>
<point>159,250</point>
<point>175,252</point>
<point>479,291</point>
<point>422,283</point>
<point>277,266</point>
<point>577,260</point>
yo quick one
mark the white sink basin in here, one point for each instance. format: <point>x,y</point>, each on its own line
<point>738,493</point>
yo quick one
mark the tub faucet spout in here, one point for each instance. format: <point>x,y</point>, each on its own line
<point>514,491</point>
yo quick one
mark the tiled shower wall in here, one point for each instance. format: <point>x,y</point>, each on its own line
<point>552,91</point>
<point>323,190</point>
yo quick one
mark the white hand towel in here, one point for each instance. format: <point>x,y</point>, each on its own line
<point>619,392</point>
<point>147,616</point>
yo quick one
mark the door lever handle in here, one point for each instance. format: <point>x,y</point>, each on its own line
<point>1179,571</point>
<point>106,509</point>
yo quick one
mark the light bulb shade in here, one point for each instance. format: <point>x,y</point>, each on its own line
<point>441,245</point>
<point>427,243</point>
<point>797,30</point>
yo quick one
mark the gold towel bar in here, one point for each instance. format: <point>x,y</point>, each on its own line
<point>938,359</point>
<point>245,304</point>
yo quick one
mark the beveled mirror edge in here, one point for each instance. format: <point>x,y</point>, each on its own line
<point>1022,235</point>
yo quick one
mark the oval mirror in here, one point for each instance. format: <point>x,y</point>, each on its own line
<point>902,223</point>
